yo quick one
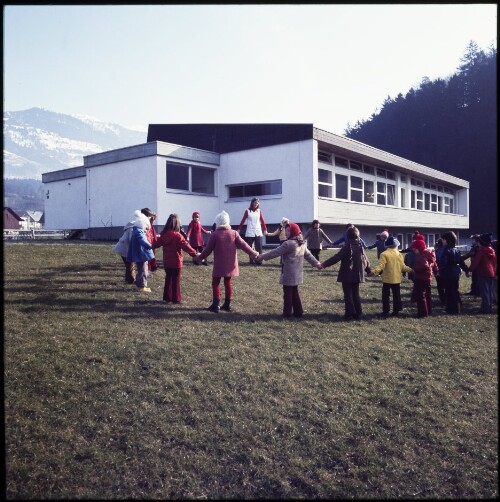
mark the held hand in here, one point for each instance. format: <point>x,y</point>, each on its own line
<point>197,258</point>
<point>319,266</point>
<point>258,257</point>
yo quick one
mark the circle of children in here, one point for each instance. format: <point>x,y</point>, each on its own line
<point>444,262</point>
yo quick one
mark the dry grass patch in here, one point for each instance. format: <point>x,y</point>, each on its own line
<point>109,394</point>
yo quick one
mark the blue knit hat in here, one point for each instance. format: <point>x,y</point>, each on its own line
<point>391,242</point>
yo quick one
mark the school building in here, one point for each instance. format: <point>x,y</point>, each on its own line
<point>297,170</point>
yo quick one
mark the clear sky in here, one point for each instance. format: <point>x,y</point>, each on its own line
<point>330,65</point>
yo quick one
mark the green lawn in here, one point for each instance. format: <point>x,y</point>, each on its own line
<point>110,393</point>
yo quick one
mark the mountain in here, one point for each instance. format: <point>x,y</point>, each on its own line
<point>38,141</point>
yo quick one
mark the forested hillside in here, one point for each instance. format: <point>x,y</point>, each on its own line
<point>449,125</point>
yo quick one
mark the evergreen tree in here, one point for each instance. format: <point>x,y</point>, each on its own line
<point>449,125</point>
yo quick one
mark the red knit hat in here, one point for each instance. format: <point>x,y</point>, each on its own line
<point>294,230</point>
<point>418,236</point>
<point>195,214</point>
<point>418,244</point>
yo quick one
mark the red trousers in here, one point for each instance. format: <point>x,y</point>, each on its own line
<point>422,295</point>
<point>172,288</point>
<point>228,288</point>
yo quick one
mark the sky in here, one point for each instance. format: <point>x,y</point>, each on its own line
<point>329,65</point>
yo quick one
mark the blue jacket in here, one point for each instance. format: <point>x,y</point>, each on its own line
<point>450,263</point>
<point>139,249</point>
<point>380,245</point>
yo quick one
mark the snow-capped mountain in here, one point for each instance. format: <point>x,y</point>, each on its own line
<point>38,141</point>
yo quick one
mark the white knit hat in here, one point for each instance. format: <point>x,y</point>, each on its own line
<point>284,221</point>
<point>384,234</point>
<point>222,219</point>
<point>141,220</point>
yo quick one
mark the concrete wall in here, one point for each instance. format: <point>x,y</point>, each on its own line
<point>66,204</point>
<point>291,162</point>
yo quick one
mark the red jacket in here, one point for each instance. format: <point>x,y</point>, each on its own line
<point>194,232</point>
<point>425,266</point>
<point>173,244</point>
<point>484,262</point>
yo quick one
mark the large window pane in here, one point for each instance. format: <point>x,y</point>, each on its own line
<point>202,180</point>
<point>356,182</point>
<point>324,176</point>
<point>177,176</point>
<point>325,191</point>
<point>391,195</point>
<point>341,186</point>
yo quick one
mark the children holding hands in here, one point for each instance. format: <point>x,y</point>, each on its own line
<point>224,243</point>
<point>424,269</point>
<point>195,233</point>
<point>173,244</point>
<point>293,251</point>
<point>391,266</point>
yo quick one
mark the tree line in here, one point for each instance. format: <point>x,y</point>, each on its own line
<point>450,125</point>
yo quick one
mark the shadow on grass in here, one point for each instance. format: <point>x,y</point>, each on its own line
<point>58,290</point>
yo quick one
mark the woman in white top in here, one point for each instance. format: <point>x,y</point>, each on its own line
<point>256,226</point>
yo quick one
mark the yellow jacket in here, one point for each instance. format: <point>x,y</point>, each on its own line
<point>391,265</point>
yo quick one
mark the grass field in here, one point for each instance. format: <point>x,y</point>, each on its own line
<point>113,394</point>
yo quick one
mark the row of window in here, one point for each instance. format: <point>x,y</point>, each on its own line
<point>337,161</point>
<point>355,189</point>
<point>200,180</point>
<point>353,165</point>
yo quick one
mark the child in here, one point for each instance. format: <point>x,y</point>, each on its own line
<point>425,267</point>
<point>280,231</point>
<point>121,247</point>
<point>140,251</point>
<point>484,263</point>
<point>353,265</point>
<point>314,237</point>
<point>450,265</point>
<point>438,251</point>
<point>194,235</point>
<point>380,242</point>
<point>255,226</point>
<point>474,248</point>
<point>173,244</point>
<point>151,236</point>
<point>224,243</point>
<point>391,266</point>
<point>343,239</point>
<point>293,251</point>
<point>494,292</point>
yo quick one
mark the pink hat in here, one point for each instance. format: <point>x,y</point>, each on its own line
<point>294,230</point>
<point>195,214</point>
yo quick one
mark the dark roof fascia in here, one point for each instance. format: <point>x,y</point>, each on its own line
<point>225,138</point>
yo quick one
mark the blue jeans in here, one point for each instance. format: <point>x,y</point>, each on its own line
<point>485,285</point>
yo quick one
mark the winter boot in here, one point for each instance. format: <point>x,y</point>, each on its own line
<point>214,307</point>
<point>226,305</point>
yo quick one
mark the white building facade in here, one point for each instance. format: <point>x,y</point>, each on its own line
<point>302,173</point>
